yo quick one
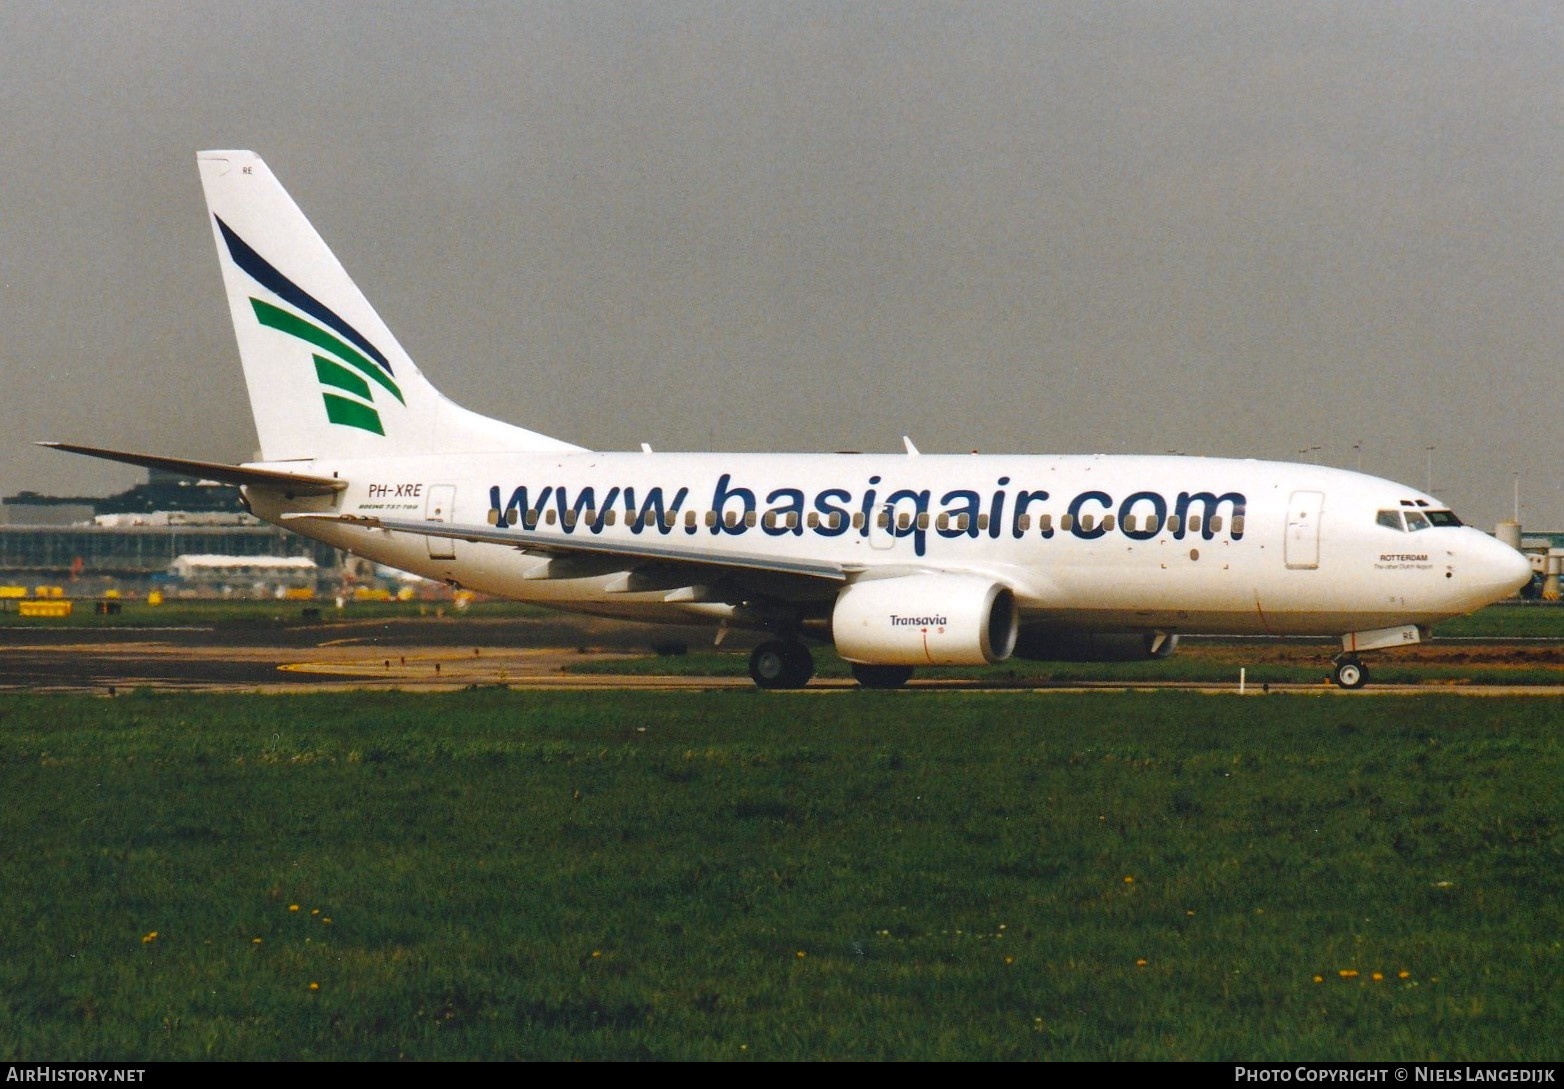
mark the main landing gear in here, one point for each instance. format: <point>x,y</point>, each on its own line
<point>781,664</point>
<point>1349,672</point>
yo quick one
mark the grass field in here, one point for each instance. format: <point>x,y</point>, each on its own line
<point>781,876</point>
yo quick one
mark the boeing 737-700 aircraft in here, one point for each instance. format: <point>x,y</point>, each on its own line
<point>900,560</point>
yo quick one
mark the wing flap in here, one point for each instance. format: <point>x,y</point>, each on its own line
<point>532,540</point>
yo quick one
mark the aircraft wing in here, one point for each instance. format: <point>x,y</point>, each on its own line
<point>559,544</point>
<point>296,483</point>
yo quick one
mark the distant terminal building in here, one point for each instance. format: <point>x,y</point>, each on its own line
<point>138,534</point>
<point>245,576</point>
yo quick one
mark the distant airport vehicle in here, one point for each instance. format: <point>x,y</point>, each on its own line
<point>901,561</point>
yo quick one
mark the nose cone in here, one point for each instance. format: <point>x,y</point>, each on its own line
<point>1492,571</point>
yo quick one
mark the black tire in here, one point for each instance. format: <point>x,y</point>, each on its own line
<point>881,676</point>
<point>779,664</point>
<point>1351,673</point>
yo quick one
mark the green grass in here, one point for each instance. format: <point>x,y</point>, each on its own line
<point>781,876</point>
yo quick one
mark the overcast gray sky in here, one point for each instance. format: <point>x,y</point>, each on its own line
<point>1306,231</point>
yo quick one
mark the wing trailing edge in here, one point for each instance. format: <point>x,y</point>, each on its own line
<point>558,543</point>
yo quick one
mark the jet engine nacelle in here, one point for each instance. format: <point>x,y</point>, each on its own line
<point>1040,645</point>
<point>920,620</point>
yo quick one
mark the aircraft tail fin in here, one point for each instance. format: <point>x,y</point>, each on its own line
<point>325,375</point>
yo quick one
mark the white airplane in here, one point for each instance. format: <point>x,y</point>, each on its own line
<point>900,560</point>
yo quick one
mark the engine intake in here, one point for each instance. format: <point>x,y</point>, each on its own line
<point>921,620</point>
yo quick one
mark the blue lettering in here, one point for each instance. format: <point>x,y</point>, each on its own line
<point>1023,500</point>
<point>719,503</point>
<point>777,516</point>
<point>1154,521</point>
<point>830,512</point>
<point>1097,529</point>
<point>652,510</point>
<point>1141,515</point>
<point>867,510</point>
<point>954,526</point>
<point>570,513</point>
<point>515,508</point>
<point>1210,505</point>
<point>996,509</point>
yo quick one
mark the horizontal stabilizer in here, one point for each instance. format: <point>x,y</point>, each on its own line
<point>294,483</point>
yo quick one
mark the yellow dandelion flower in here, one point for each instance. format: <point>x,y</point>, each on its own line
<point>596,953</point>
<point>800,954</point>
<point>1140,962</point>
<point>1403,974</point>
<point>1128,879</point>
<point>1377,976</point>
<point>314,986</point>
<point>149,937</point>
<point>1319,979</point>
<point>255,941</point>
<point>1010,960</point>
<point>1348,973</point>
<point>293,907</point>
<point>315,911</point>
<point>325,921</point>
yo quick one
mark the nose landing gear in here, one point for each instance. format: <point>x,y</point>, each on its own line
<point>1349,672</point>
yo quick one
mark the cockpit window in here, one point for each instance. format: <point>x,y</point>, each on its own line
<point>1415,519</point>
